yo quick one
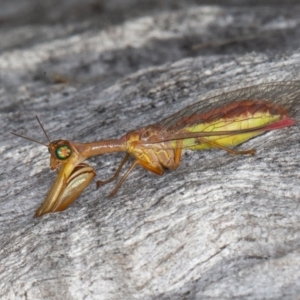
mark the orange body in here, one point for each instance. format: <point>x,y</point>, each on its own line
<point>223,122</point>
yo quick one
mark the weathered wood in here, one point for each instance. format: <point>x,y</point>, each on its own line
<point>219,227</point>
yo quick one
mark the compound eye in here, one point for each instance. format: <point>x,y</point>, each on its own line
<point>63,152</point>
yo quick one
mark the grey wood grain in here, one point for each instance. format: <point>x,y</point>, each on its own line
<point>219,227</point>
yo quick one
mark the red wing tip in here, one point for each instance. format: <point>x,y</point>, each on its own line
<point>280,124</point>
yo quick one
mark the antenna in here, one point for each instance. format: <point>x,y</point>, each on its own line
<point>27,138</point>
<point>33,140</point>
<point>43,129</point>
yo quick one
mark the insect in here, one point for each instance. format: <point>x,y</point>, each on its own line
<point>223,122</point>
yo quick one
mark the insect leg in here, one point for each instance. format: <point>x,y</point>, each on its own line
<point>168,158</point>
<point>113,192</point>
<point>178,151</point>
<point>124,160</point>
<point>157,169</point>
<point>231,151</point>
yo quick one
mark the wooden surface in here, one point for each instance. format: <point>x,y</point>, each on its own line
<point>219,227</point>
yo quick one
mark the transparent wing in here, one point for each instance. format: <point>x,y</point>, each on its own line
<point>284,96</point>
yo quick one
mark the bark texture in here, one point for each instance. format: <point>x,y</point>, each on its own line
<point>220,226</point>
